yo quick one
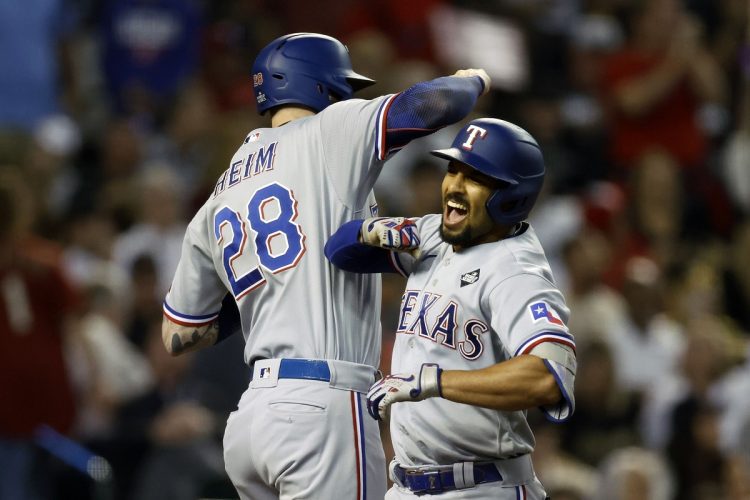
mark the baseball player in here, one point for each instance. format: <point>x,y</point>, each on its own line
<point>312,331</point>
<point>482,333</point>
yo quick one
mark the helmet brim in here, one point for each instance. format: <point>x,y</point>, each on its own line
<point>447,154</point>
<point>359,82</point>
<point>479,164</point>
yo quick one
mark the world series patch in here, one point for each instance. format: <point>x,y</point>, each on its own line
<point>470,278</point>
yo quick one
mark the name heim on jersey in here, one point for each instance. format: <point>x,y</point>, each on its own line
<point>470,277</point>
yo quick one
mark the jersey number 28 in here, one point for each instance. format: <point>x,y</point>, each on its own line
<point>266,228</point>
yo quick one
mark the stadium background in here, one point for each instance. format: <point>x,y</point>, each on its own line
<point>117,116</point>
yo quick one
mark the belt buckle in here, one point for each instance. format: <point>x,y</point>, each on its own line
<point>424,482</point>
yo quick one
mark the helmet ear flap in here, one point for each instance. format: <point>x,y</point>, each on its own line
<point>494,207</point>
<point>509,205</point>
<point>503,210</point>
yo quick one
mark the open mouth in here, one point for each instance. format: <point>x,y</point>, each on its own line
<point>454,213</point>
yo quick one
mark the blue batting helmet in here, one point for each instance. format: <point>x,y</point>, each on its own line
<point>308,69</point>
<point>505,152</point>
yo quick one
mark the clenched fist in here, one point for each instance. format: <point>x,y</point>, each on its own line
<point>403,387</point>
<point>392,233</point>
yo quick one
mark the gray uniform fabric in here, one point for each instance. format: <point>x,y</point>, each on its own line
<point>261,235</point>
<point>469,310</point>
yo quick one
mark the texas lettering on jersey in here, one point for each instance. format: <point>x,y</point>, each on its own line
<point>424,314</point>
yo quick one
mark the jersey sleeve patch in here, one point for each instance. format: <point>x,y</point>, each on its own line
<point>186,319</point>
<point>540,311</point>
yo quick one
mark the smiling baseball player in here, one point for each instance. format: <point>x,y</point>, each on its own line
<point>482,333</point>
<point>312,331</point>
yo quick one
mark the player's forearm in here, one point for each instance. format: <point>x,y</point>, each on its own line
<point>445,100</point>
<point>517,384</point>
<point>347,250</point>
<point>344,250</point>
<point>427,106</point>
<point>179,339</point>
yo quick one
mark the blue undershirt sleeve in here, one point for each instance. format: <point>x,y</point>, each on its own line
<point>428,106</point>
<point>229,318</point>
<point>344,251</point>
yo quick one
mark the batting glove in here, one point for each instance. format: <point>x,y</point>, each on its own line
<point>403,387</point>
<point>392,233</point>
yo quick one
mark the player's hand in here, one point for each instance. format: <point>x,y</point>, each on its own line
<point>476,72</point>
<point>403,387</point>
<point>392,233</point>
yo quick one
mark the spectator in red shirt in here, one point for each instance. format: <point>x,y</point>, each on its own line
<point>36,305</point>
<point>655,86</point>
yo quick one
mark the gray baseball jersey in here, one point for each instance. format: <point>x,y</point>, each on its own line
<point>262,232</point>
<point>469,310</point>
<point>261,236</point>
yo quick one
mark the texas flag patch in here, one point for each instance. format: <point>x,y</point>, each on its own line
<point>540,311</point>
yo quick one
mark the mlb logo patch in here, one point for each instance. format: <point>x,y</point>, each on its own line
<point>540,311</point>
<point>374,210</point>
<point>257,79</point>
<point>265,372</point>
<point>470,278</point>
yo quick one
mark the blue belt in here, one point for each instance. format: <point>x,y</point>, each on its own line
<point>308,369</point>
<point>431,482</point>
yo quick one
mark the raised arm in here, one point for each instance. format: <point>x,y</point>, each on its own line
<point>428,106</point>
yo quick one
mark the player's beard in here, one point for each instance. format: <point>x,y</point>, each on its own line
<point>463,238</point>
<point>459,237</point>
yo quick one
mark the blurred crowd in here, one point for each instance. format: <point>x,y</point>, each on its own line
<point>117,116</point>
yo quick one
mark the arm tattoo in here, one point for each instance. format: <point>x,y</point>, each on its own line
<point>179,346</point>
<point>186,340</point>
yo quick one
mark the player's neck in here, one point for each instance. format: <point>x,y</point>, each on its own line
<point>288,113</point>
<point>498,233</point>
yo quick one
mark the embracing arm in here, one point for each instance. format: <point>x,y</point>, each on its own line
<point>345,251</point>
<point>365,246</point>
<point>428,106</point>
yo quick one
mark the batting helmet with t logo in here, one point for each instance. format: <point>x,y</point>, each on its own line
<point>505,152</point>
